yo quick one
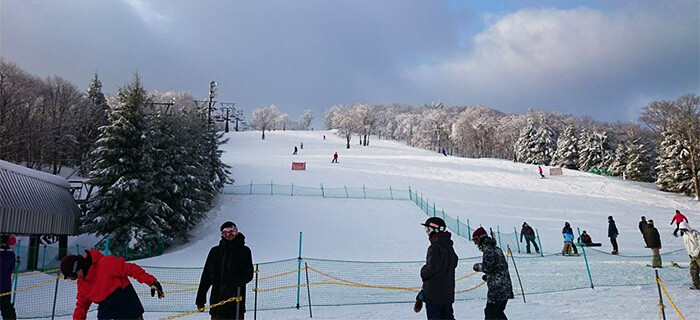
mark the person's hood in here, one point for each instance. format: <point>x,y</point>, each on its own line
<point>443,238</point>
<point>486,242</point>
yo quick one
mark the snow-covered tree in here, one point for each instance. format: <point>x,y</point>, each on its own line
<point>265,118</point>
<point>567,149</point>
<point>592,152</point>
<point>526,143</point>
<point>92,116</point>
<point>307,116</point>
<point>620,161</point>
<point>125,207</point>
<point>639,165</point>
<point>284,119</point>
<point>673,173</point>
<point>545,143</point>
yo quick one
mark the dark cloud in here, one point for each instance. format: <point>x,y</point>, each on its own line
<point>313,54</point>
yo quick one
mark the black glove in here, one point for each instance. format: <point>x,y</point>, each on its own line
<point>484,277</point>
<point>478,267</point>
<point>156,287</point>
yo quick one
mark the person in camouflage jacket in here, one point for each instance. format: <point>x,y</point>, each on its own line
<point>495,269</point>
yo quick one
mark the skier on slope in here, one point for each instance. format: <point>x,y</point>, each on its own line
<point>539,169</point>
<point>691,241</point>
<point>653,241</point>
<point>678,218</point>
<point>295,150</point>
<point>642,225</point>
<point>612,234</point>
<point>438,273</point>
<point>335,158</point>
<point>495,269</point>
<point>105,280</point>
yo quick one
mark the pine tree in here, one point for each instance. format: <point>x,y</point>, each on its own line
<point>621,158</point>
<point>591,150</point>
<point>525,143</point>
<point>639,166</point>
<point>92,116</point>
<point>544,146</point>
<point>124,207</point>
<point>567,150</point>
<point>672,172</point>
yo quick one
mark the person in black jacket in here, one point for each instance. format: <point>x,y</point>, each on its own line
<point>438,273</point>
<point>7,266</point>
<point>612,234</point>
<point>228,269</point>
<point>529,237</point>
<point>495,269</point>
<point>653,241</point>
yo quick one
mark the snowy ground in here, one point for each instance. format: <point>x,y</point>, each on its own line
<point>489,192</point>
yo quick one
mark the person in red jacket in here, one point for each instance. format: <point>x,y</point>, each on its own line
<point>678,218</point>
<point>105,280</point>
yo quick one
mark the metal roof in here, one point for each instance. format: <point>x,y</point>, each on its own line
<point>35,202</point>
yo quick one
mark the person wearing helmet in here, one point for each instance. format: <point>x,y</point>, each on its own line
<point>438,273</point>
<point>691,241</point>
<point>7,266</point>
<point>105,280</point>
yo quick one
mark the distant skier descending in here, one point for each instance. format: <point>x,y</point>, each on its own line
<point>335,158</point>
<point>678,218</point>
<point>539,169</point>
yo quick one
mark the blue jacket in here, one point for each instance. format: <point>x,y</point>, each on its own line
<point>7,266</point>
<point>569,237</point>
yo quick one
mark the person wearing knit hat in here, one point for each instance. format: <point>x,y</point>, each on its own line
<point>438,273</point>
<point>7,266</point>
<point>105,280</point>
<point>495,269</point>
<point>227,271</point>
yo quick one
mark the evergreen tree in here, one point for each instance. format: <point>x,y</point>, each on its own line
<point>92,116</point>
<point>544,146</point>
<point>639,165</point>
<point>591,150</point>
<point>567,150</point>
<point>621,158</point>
<point>125,207</point>
<point>526,143</point>
<point>672,172</point>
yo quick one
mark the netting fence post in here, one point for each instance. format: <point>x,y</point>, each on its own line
<point>434,212</point>
<point>346,192</point>
<point>19,249</point>
<point>421,202</point>
<point>469,229</point>
<point>498,232</point>
<point>391,193</point>
<point>323,192</point>
<point>540,242</point>
<point>292,190</point>
<point>255,303</point>
<point>238,303</point>
<point>251,187</point>
<point>308,288</point>
<point>271,189</point>
<point>522,290</point>
<point>515,231</point>
<point>410,196</point>
<point>299,271</point>
<point>55,295</point>
<point>585,258</point>
<point>457,225</point>
<point>43,260</point>
<point>364,192</point>
<point>107,245</point>
<point>661,299</point>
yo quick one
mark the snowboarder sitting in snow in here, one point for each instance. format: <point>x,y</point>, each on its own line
<point>529,237</point>
<point>438,273</point>
<point>228,269</point>
<point>105,280</point>
<point>678,218</point>
<point>495,269</point>
<point>691,241</point>
<point>568,234</point>
<point>585,240</point>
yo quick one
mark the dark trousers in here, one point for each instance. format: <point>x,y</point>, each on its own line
<point>439,311</point>
<point>675,231</point>
<point>7,309</point>
<point>121,304</point>
<point>529,239</point>
<point>495,310</point>
<point>335,160</point>
<point>613,241</point>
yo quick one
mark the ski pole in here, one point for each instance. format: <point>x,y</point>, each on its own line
<point>522,290</point>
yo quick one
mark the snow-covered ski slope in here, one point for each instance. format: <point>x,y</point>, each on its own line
<point>489,192</point>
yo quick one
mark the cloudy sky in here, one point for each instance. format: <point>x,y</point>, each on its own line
<point>606,59</point>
